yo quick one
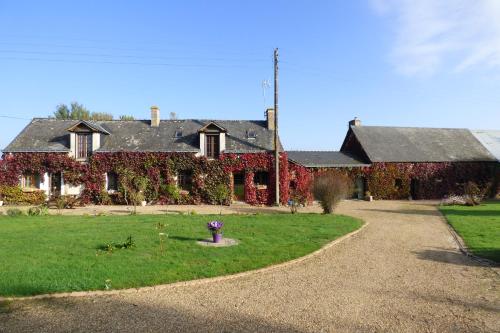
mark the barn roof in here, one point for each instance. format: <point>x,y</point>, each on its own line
<point>324,159</point>
<point>415,144</point>
<point>51,135</point>
<point>490,139</point>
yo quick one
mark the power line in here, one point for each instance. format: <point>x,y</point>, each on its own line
<point>127,56</point>
<point>12,117</point>
<point>128,63</point>
<point>144,49</point>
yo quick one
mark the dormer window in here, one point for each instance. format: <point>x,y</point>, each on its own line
<point>85,137</point>
<point>212,145</point>
<point>251,134</point>
<point>178,133</point>
<point>83,145</point>
<point>212,140</point>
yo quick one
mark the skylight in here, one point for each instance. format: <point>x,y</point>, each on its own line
<point>251,134</point>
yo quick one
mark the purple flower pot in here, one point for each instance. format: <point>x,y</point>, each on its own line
<point>217,237</point>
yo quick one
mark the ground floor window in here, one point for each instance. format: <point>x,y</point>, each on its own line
<point>185,180</point>
<point>30,181</point>
<point>112,182</point>
<point>261,179</point>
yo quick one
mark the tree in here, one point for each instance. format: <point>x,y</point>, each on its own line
<point>77,111</point>
<point>330,188</point>
<point>62,112</point>
<point>125,117</point>
<point>132,187</point>
<point>222,194</point>
<point>101,116</point>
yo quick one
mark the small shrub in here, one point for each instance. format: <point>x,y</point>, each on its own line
<point>330,188</point>
<point>222,195</point>
<point>296,201</point>
<point>132,186</point>
<point>66,202</point>
<point>109,248</point>
<point>474,194</point>
<point>172,192</point>
<point>41,210</point>
<point>13,212</point>
<point>14,195</point>
<point>105,198</point>
<point>162,235</point>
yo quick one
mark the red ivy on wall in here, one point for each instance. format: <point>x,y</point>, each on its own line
<point>402,180</point>
<point>161,170</point>
<point>13,166</point>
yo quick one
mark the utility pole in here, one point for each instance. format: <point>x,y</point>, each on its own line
<point>276,144</point>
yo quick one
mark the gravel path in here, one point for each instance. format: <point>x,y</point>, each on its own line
<point>402,273</point>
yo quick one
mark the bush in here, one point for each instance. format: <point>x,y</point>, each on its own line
<point>14,195</point>
<point>66,201</point>
<point>41,210</point>
<point>330,188</point>
<point>13,212</point>
<point>474,194</point>
<point>296,201</point>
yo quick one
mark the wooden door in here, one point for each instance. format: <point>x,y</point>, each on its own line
<point>239,186</point>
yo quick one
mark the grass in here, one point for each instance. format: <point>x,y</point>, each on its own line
<point>479,227</point>
<point>62,253</point>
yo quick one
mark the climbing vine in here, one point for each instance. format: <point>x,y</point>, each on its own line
<point>161,169</point>
<point>403,180</point>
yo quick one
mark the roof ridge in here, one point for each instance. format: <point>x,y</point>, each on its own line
<point>414,127</point>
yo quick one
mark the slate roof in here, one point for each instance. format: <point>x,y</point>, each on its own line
<point>51,135</point>
<point>413,144</point>
<point>324,159</point>
<point>489,139</point>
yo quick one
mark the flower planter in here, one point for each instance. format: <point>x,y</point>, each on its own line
<point>144,203</point>
<point>217,238</point>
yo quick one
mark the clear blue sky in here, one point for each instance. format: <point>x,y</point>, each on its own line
<point>396,63</point>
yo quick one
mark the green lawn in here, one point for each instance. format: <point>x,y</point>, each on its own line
<point>478,226</point>
<point>55,253</point>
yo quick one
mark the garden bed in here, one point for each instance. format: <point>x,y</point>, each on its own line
<point>50,254</point>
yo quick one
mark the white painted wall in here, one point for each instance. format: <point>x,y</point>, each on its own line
<point>72,190</point>
<point>96,141</point>
<point>222,142</point>
<point>45,183</point>
<point>72,145</point>
<point>202,145</point>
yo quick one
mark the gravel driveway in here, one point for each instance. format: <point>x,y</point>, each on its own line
<point>402,273</point>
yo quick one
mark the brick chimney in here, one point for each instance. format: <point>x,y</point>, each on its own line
<point>355,122</point>
<point>270,119</point>
<point>155,116</point>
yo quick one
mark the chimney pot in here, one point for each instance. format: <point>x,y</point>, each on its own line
<point>155,116</point>
<point>270,119</point>
<point>355,122</point>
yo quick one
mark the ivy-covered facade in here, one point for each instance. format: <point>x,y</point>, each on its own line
<point>403,163</point>
<point>187,161</point>
<point>184,161</point>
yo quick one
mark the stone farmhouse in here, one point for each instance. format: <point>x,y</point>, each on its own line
<point>186,161</point>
